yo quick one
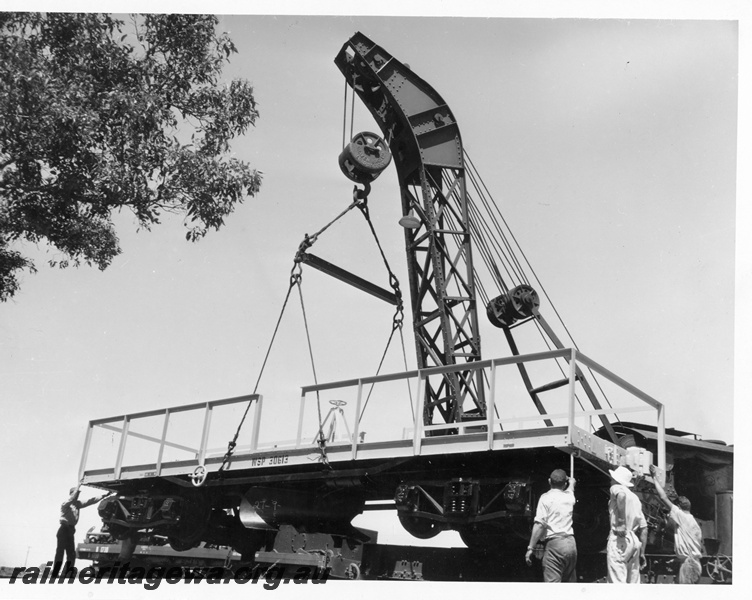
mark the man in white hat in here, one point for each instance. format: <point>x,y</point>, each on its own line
<point>625,550</point>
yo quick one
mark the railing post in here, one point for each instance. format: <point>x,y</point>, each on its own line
<point>572,380</point>
<point>121,448</point>
<point>300,421</point>
<point>418,419</point>
<point>162,441</point>
<point>491,405</point>
<point>661,427</point>
<point>85,455</point>
<point>205,434</point>
<point>356,428</point>
<point>256,423</point>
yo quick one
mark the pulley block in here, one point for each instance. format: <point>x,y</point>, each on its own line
<point>520,303</point>
<point>365,157</point>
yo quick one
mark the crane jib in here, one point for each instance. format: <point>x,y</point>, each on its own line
<point>426,147</point>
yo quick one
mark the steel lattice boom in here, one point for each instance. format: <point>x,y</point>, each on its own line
<point>425,141</point>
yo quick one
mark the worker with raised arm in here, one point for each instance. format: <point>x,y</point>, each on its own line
<point>66,543</point>
<point>625,549</point>
<point>553,524</point>
<point>688,544</point>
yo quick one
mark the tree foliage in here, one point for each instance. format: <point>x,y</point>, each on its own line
<point>99,114</point>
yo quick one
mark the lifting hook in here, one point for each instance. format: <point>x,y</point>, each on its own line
<point>361,195</point>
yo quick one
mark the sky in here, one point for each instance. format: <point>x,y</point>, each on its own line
<point>609,145</point>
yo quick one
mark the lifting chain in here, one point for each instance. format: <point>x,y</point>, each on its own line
<point>360,200</point>
<point>321,440</point>
<point>296,275</point>
<point>393,281</point>
<point>399,315</point>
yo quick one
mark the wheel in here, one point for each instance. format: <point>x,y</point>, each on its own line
<point>590,520</point>
<point>507,536</point>
<point>128,545</point>
<point>478,540</point>
<point>198,477</point>
<point>182,545</point>
<point>494,540</point>
<point>422,529</point>
<point>719,568</point>
<point>114,531</point>
<point>352,571</point>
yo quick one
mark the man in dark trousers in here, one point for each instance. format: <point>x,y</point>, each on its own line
<point>553,524</point>
<point>66,543</point>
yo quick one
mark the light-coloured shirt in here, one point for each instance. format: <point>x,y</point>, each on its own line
<point>687,533</point>
<point>633,516</point>
<point>554,512</point>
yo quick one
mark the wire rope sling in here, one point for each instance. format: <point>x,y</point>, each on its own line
<point>362,160</point>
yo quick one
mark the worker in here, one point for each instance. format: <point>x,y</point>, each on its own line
<point>625,550</point>
<point>553,524</point>
<point>66,532</point>
<point>688,543</point>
